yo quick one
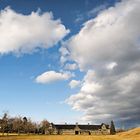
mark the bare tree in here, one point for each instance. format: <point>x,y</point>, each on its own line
<point>44,126</point>
<point>4,123</point>
<point>31,126</point>
<point>18,125</point>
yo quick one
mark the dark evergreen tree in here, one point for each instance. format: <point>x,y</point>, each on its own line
<point>25,124</point>
<point>112,128</point>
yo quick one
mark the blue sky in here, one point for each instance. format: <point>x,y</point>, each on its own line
<point>62,70</point>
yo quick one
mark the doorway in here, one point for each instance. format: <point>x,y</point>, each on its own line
<point>76,132</point>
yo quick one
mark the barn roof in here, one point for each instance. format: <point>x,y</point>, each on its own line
<point>90,127</point>
<point>83,127</point>
<point>64,126</point>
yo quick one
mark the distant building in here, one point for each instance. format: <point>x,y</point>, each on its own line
<point>78,129</point>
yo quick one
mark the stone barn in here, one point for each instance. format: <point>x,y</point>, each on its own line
<point>79,129</point>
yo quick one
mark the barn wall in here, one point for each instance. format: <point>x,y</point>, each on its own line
<point>68,132</point>
<point>83,132</point>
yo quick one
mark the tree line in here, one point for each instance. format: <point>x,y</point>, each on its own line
<point>22,125</point>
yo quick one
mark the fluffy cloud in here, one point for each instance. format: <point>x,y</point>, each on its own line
<point>25,33</point>
<point>109,45</point>
<point>52,76</point>
<point>74,83</point>
<point>102,38</point>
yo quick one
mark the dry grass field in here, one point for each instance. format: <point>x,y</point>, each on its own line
<point>133,134</point>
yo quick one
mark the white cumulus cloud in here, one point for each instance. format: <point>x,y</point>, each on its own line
<point>74,83</point>
<point>101,39</point>
<point>52,76</point>
<point>109,45</point>
<point>25,33</point>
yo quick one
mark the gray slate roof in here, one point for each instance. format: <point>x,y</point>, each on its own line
<point>82,127</point>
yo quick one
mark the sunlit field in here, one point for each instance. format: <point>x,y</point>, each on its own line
<point>69,137</point>
<point>130,135</point>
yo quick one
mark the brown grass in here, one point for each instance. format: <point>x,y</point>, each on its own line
<point>133,134</point>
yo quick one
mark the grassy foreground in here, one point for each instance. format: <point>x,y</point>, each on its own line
<point>129,135</point>
<point>70,137</point>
